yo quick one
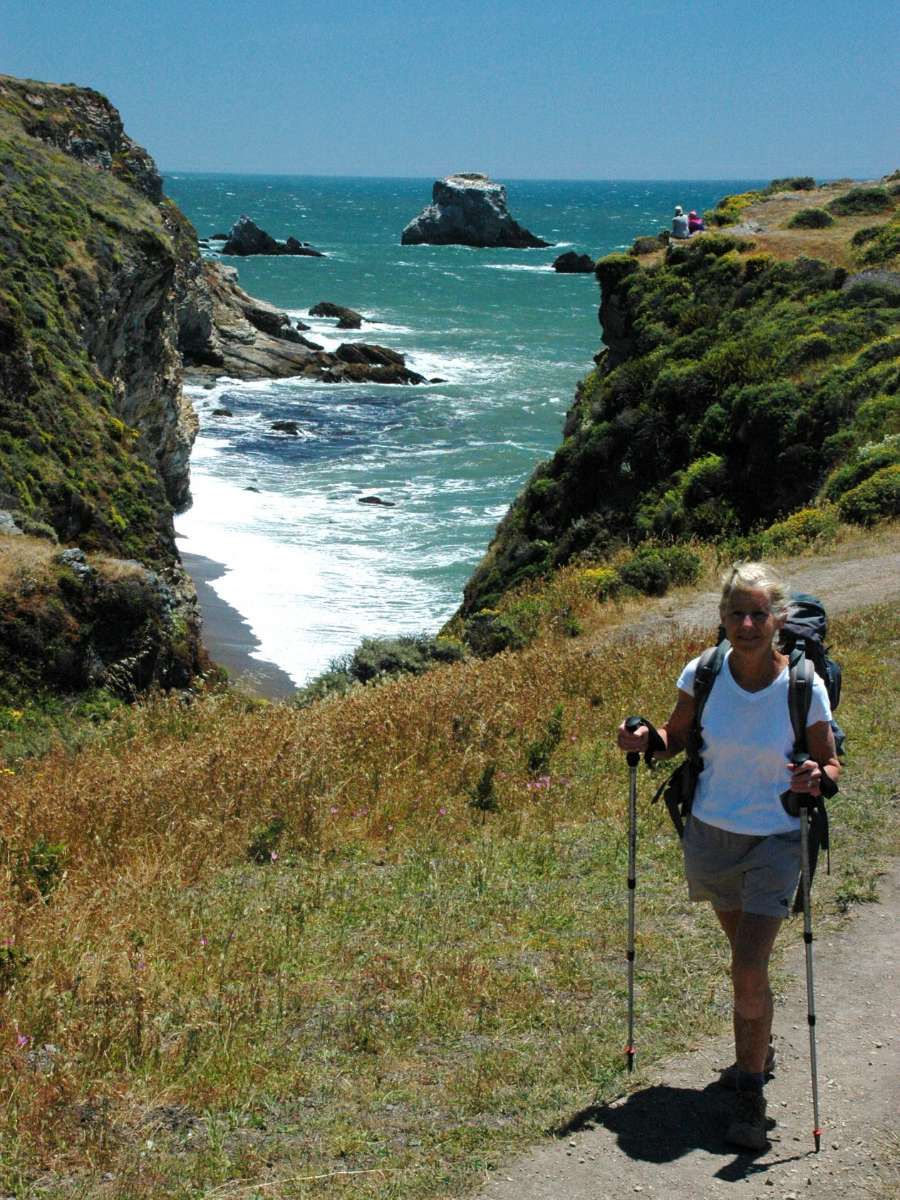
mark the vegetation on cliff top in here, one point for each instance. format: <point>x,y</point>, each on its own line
<point>740,384</point>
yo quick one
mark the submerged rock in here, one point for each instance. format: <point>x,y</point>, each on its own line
<point>376,500</point>
<point>468,210</point>
<point>246,237</point>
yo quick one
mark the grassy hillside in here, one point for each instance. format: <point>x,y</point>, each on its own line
<point>746,379</point>
<point>369,947</point>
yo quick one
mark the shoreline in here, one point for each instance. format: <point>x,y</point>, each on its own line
<point>228,637</point>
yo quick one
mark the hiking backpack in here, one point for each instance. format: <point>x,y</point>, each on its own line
<point>802,639</point>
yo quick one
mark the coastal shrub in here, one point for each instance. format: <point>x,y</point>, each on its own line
<point>377,659</point>
<point>883,248</point>
<point>868,460</point>
<point>489,632</point>
<point>865,235</point>
<point>588,535</point>
<point>647,572</point>
<point>861,200</point>
<point>877,498</point>
<point>602,582</point>
<point>880,415</point>
<point>13,962</point>
<point>801,529</point>
<point>612,269</point>
<point>684,565</point>
<point>811,218</point>
<point>730,208</point>
<point>409,654</point>
<point>791,183</point>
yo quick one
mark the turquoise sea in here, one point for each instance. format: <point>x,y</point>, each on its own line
<point>311,569</point>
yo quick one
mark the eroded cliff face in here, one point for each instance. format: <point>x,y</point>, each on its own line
<point>95,434</point>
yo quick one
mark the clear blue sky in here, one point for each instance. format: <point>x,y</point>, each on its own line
<point>517,88</point>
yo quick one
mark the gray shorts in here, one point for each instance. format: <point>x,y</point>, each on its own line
<point>739,871</point>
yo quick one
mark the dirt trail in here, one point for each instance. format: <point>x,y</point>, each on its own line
<point>844,584</point>
<point>664,1138</point>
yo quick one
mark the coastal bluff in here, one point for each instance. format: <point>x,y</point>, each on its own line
<point>469,209</point>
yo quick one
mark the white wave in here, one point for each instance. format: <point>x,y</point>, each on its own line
<point>313,574</point>
<point>518,267</point>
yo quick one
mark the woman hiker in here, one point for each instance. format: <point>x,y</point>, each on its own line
<point>741,847</point>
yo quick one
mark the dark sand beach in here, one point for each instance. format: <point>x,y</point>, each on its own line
<point>228,637</point>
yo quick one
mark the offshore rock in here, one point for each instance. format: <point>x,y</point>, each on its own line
<point>468,210</point>
<point>246,238</point>
<point>347,318</point>
<point>571,263</point>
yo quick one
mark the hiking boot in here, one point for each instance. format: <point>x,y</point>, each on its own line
<point>729,1076</point>
<point>749,1127</point>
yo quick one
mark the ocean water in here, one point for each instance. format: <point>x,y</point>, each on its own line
<point>311,569</point>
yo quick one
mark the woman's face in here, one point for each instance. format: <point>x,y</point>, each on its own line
<point>748,619</point>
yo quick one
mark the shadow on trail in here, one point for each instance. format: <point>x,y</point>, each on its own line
<point>661,1124</point>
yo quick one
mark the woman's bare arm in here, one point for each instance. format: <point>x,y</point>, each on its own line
<point>674,732</point>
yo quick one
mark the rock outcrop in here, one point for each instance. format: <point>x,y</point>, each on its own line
<point>246,238</point>
<point>88,621</point>
<point>571,263</point>
<point>468,210</point>
<point>347,318</point>
<point>249,339</point>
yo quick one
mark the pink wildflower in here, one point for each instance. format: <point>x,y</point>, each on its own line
<point>274,856</point>
<point>22,1040</point>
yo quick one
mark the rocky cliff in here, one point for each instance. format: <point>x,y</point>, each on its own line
<point>468,210</point>
<point>94,432</point>
<point>748,382</point>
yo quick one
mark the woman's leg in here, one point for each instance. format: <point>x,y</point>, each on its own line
<point>752,937</point>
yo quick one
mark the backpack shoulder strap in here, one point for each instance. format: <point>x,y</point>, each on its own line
<point>708,668</point>
<point>800,685</point>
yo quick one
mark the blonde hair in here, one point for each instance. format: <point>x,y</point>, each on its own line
<point>754,576</point>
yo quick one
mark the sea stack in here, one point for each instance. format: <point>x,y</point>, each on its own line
<point>468,210</point>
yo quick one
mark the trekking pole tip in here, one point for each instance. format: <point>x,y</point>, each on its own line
<point>629,1058</point>
<point>817,1138</point>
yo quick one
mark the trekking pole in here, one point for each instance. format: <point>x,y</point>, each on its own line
<point>805,804</point>
<point>632,758</point>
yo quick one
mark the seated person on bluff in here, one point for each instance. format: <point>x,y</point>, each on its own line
<point>680,223</point>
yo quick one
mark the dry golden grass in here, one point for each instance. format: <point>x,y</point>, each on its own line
<point>411,986</point>
<point>23,557</point>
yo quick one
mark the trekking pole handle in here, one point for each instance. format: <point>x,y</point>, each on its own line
<point>633,724</point>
